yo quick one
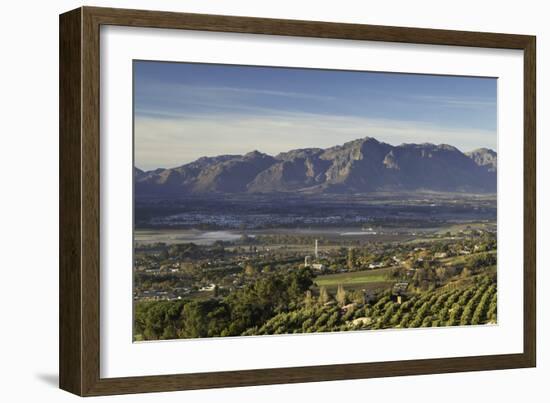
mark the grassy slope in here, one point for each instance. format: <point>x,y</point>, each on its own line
<point>356,277</point>
<point>365,279</point>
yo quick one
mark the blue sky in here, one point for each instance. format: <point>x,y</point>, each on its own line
<point>184,111</point>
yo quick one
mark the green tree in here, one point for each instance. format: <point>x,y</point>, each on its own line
<point>341,295</point>
<point>193,323</point>
<point>357,297</point>
<point>324,296</point>
<point>308,299</point>
<point>351,258</point>
<point>250,270</point>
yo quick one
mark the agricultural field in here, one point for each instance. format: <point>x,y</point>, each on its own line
<point>362,280</point>
<point>472,304</point>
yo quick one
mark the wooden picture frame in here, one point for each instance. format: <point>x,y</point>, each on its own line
<point>79,346</point>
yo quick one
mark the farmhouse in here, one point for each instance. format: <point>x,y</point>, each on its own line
<point>318,266</point>
<point>399,291</point>
<point>208,287</point>
<point>400,288</point>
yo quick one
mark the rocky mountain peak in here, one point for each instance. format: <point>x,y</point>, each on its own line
<point>358,166</point>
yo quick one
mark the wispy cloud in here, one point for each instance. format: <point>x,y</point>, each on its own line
<point>174,139</point>
<point>176,100</point>
<point>189,93</point>
<point>171,101</point>
<point>460,102</point>
<point>255,91</point>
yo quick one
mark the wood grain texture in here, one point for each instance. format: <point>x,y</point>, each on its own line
<point>530,203</point>
<point>70,275</point>
<point>316,29</point>
<point>90,202</point>
<point>305,374</point>
<point>80,201</point>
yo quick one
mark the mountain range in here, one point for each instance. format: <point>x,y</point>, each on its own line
<point>359,166</point>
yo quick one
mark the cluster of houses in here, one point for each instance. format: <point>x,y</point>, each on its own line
<point>152,267</point>
<point>416,256</point>
<point>162,295</point>
<point>174,294</point>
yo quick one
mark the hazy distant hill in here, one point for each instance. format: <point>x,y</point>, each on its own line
<point>359,166</point>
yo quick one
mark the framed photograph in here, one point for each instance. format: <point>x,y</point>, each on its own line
<point>249,201</point>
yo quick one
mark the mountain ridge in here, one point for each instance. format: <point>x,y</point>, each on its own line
<point>359,166</point>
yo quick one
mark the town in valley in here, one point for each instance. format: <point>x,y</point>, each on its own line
<point>333,264</point>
